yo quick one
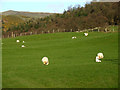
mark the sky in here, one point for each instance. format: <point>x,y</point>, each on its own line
<point>52,6</point>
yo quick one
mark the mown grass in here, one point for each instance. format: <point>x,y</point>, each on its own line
<point>72,61</point>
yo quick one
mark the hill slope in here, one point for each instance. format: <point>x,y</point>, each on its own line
<point>10,20</point>
<point>14,18</point>
<point>29,14</point>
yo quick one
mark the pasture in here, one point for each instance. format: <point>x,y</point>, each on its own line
<point>72,61</point>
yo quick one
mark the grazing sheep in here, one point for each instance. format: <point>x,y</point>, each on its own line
<point>17,40</point>
<point>45,61</point>
<point>22,46</point>
<point>99,56</point>
<point>74,37</point>
<point>86,34</point>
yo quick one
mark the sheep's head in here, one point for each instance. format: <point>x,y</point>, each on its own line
<point>45,62</point>
<point>100,55</point>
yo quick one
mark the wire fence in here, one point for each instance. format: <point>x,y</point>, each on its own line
<point>13,34</point>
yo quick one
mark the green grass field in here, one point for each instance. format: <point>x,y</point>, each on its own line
<point>72,61</point>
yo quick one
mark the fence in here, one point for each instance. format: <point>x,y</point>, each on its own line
<point>12,34</point>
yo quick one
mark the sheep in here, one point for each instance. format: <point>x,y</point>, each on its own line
<point>74,37</point>
<point>99,56</point>
<point>17,40</point>
<point>23,41</point>
<point>45,61</point>
<point>22,46</point>
<point>86,34</point>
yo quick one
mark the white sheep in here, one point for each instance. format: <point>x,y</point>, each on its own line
<point>74,37</point>
<point>22,46</point>
<point>45,61</point>
<point>17,40</point>
<point>86,34</point>
<point>99,56</point>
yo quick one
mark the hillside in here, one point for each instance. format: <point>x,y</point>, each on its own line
<point>28,14</point>
<point>10,20</point>
<point>13,18</point>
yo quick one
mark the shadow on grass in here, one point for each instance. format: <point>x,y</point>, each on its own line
<point>114,61</point>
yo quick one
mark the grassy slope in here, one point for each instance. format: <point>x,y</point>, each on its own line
<point>72,62</point>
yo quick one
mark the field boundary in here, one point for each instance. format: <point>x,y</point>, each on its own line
<point>96,29</point>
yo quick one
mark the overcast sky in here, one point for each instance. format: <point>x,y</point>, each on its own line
<point>53,6</point>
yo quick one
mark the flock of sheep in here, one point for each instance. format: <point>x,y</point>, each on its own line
<point>46,61</point>
<point>74,37</point>
<point>22,44</point>
<point>98,57</point>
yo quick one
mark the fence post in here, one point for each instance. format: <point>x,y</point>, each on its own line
<point>64,30</point>
<point>58,30</point>
<point>30,33</point>
<point>48,31</point>
<point>71,30</point>
<point>12,34</point>
<point>53,30</point>
<point>42,32</point>
<point>113,30</point>
<point>98,29</point>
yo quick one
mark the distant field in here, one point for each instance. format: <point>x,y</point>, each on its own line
<point>72,61</point>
